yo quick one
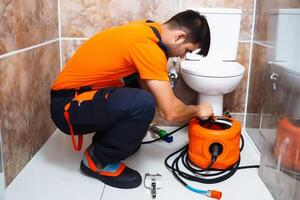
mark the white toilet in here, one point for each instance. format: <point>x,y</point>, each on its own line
<point>218,73</point>
<point>285,60</point>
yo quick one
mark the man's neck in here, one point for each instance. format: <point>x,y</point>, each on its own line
<point>165,33</point>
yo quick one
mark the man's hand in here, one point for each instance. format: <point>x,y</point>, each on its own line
<point>205,111</point>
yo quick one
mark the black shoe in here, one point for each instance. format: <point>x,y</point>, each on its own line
<point>115,174</point>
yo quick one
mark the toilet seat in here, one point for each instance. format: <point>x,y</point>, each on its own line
<point>212,69</point>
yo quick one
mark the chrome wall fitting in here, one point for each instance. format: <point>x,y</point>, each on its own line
<point>153,182</point>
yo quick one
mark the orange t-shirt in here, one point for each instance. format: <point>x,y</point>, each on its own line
<point>107,57</point>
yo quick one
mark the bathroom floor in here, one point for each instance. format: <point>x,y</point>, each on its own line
<point>53,174</point>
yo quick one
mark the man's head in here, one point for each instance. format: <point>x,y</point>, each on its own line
<point>186,32</point>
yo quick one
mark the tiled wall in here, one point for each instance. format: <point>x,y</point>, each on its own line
<point>85,18</point>
<point>81,19</point>
<point>28,65</point>
<point>26,23</point>
<point>267,106</point>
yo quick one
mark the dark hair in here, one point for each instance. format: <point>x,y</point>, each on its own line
<point>195,25</point>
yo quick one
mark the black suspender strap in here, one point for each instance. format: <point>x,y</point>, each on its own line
<point>132,79</point>
<point>159,43</point>
<point>149,21</point>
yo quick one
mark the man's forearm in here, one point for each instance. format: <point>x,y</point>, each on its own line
<point>181,112</point>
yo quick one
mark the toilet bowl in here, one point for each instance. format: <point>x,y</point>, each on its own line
<point>217,73</point>
<point>212,80</point>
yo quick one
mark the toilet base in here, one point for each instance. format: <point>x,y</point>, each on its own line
<point>215,100</point>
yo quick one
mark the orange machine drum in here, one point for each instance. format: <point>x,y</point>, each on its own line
<point>225,132</point>
<point>287,145</point>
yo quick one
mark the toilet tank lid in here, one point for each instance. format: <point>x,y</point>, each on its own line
<point>218,10</point>
<point>212,69</point>
<point>289,11</point>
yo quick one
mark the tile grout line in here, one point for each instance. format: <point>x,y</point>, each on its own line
<point>11,53</point>
<point>74,38</point>
<point>250,63</point>
<point>59,34</point>
<point>260,119</point>
<point>262,44</point>
<point>2,171</point>
<point>102,192</point>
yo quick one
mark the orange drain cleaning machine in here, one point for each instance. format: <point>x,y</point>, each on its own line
<point>212,155</point>
<point>287,145</point>
<point>219,137</point>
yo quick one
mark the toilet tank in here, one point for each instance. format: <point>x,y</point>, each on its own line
<point>287,40</point>
<point>224,24</point>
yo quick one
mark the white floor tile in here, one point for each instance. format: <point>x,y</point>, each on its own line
<point>2,186</point>
<point>53,174</point>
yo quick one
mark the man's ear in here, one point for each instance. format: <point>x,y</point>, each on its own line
<point>180,36</point>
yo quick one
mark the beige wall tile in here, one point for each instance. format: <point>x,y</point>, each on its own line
<point>264,21</point>
<point>25,81</point>
<point>235,101</point>
<point>263,101</point>
<point>69,47</point>
<point>256,88</point>
<point>246,26</point>
<point>85,18</point>
<point>26,23</point>
<point>273,5</point>
<point>244,4</point>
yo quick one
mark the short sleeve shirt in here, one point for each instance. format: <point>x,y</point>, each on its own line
<point>107,57</point>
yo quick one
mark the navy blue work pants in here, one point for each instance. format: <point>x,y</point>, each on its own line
<point>120,118</point>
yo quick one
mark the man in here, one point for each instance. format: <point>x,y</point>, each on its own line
<point>99,91</point>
